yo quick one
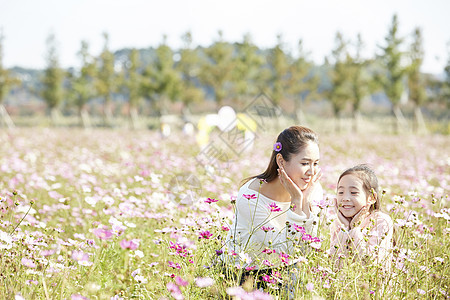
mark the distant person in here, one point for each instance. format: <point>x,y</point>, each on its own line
<point>274,209</point>
<point>360,228</point>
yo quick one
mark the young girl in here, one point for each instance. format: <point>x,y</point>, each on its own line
<point>360,227</point>
<point>273,209</point>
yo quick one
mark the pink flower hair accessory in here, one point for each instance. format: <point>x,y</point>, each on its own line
<point>277,146</point>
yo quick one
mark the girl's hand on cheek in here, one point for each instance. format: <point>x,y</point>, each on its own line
<point>345,222</point>
<point>357,219</point>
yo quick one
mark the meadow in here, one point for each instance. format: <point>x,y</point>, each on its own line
<point>119,214</point>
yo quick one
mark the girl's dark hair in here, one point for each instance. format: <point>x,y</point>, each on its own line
<point>293,140</point>
<point>370,182</point>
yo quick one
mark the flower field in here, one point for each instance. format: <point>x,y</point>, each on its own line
<point>116,214</point>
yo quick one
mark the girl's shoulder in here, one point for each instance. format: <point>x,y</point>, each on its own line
<point>380,216</point>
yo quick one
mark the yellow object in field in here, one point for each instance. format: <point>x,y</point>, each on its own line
<point>245,123</point>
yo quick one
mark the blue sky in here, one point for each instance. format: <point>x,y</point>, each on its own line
<point>142,23</point>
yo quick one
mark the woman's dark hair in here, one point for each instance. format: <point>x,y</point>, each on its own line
<point>293,140</point>
<point>370,182</point>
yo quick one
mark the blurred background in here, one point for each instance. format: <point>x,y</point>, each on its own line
<point>338,66</point>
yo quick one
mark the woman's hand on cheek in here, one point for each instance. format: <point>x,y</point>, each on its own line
<point>290,186</point>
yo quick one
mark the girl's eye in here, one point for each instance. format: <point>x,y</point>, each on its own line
<point>340,193</point>
<point>305,164</point>
<point>354,193</point>
<point>316,164</point>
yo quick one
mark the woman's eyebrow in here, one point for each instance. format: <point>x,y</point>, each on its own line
<point>309,159</point>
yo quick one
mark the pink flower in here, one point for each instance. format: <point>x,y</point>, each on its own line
<point>310,286</point>
<point>268,251</point>
<point>267,263</point>
<point>249,196</point>
<point>204,281</point>
<point>250,268</point>
<point>131,244</point>
<point>274,207</point>
<point>174,265</point>
<point>174,291</point>
<point>209,200</point>
<point>421,292</point>
<point>306,237</point>
<point>205,234</point>
<point>180,281</point>
<point>28,262</point>
<point>266,228</point>
<point>268,279</point>
<point>82,258</point>
<point>284,257</point>
<point>299,228</point>
<point>225,228</point>
<point>102,234</point>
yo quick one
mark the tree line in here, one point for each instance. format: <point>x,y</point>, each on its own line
<point>237,70</point>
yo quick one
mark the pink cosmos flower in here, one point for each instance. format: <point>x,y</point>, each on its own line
<point>284,257</point>
<point>268,279</point>
<point>174,291</point>
<point>180,281</point>
<point>274,207</point>
<point>103,234</point>
<point>131,244</point>
<point>205,234</point>
<point>225,228</point>
<point>248,197</point>
<point>267,263</point>
<point>250,268</point>
<point>174,265</point>
<point>266,228</point>
<point>310,286</point>
<point>299,228</point>
<point>268,251</point>
<point>204,281</point>
<point>307,237</point>
<point>82,258</point>
<point>210,200</point>
<point>28,262</point>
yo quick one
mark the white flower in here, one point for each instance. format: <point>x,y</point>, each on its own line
<point>245,257</point>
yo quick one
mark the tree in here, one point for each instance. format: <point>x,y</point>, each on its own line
<point>360,82</point>
<point>52,81</point>
<point>278,62</point>
<point>82,84</point>
<point>246,74</point>
<point>6,81</point>
<point>217,68</point>
<point>302,83</point>
<point>189,69</point>
<point>132,83</point>
<point>416,82</point>
<point>392,80</point>
<point>162,82</point>
<point>340,72</point>
<point>106,79</point>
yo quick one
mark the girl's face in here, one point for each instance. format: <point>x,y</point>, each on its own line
<point>304,165</point>
<point>351,196</point>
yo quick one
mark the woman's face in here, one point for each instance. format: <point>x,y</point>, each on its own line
<point>351,196</point>
<point>304,165</point>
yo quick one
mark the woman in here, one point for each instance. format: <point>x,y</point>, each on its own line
<point>273,209</point>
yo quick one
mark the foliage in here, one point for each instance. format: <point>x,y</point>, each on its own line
<point>392,61</point>
<point>217,68</point>
<point>52,92</point>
